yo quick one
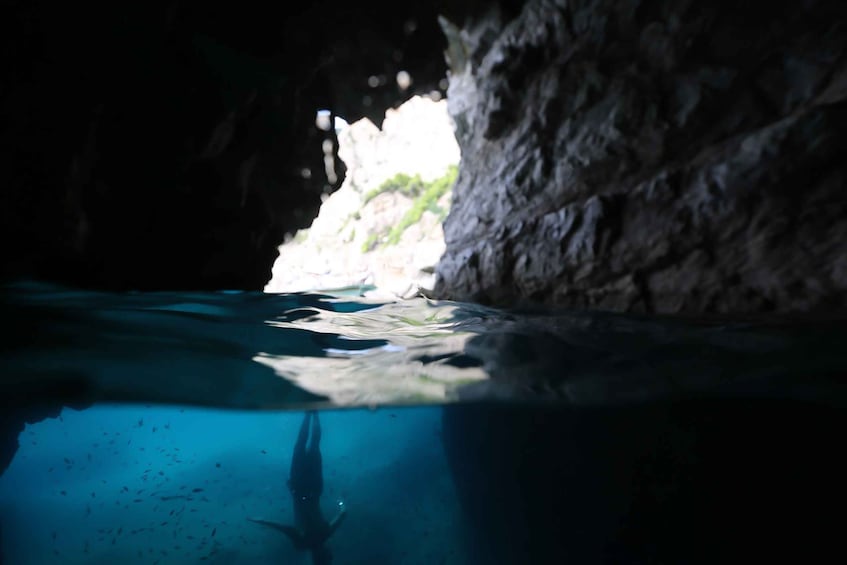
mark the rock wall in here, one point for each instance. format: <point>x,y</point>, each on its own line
<point>656,156</point>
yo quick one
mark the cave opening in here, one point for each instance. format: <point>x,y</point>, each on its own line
<point>380,233</point>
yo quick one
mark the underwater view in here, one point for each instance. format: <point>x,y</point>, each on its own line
<point>140,484</point>
<point>239,427</point>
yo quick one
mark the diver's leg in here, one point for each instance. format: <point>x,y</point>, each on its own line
<point>316,478</point>
<point>303,436</point>
<point>315,442</point>
<point>295,477</point>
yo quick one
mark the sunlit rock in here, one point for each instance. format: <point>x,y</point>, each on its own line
<point>346,245</point>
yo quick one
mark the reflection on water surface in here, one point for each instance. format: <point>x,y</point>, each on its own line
<point>153,425</point>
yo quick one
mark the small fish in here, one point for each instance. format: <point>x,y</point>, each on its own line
<point>265,452</point>
<point>197,490</point>
<point>214,531</point>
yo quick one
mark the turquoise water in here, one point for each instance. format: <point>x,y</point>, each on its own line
<point>136,484</point>
<point>150,427</point>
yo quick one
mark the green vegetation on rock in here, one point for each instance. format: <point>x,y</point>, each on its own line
<point>425,197</point>
<point>370,243</point>
<point>402,183</point>
<point>428,200</point>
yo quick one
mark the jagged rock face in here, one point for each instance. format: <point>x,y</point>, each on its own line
<point>173,145</point>
<point>651,156</point>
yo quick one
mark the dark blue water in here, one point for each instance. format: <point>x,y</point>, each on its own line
<point>151,427</point>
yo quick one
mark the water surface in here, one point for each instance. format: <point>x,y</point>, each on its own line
<point>263,351</point>
<point>148,428</point>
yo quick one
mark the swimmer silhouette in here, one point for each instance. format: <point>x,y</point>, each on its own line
<point>310,530</point>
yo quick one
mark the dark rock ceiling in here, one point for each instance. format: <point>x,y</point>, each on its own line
<point>172,145</point>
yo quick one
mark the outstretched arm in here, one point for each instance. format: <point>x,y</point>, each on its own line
<point>337,521</point>
<point>293,534</point>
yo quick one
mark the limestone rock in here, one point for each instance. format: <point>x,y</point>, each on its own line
<point>415,139</point>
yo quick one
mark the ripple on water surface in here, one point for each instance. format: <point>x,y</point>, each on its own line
<point>255,350</point>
